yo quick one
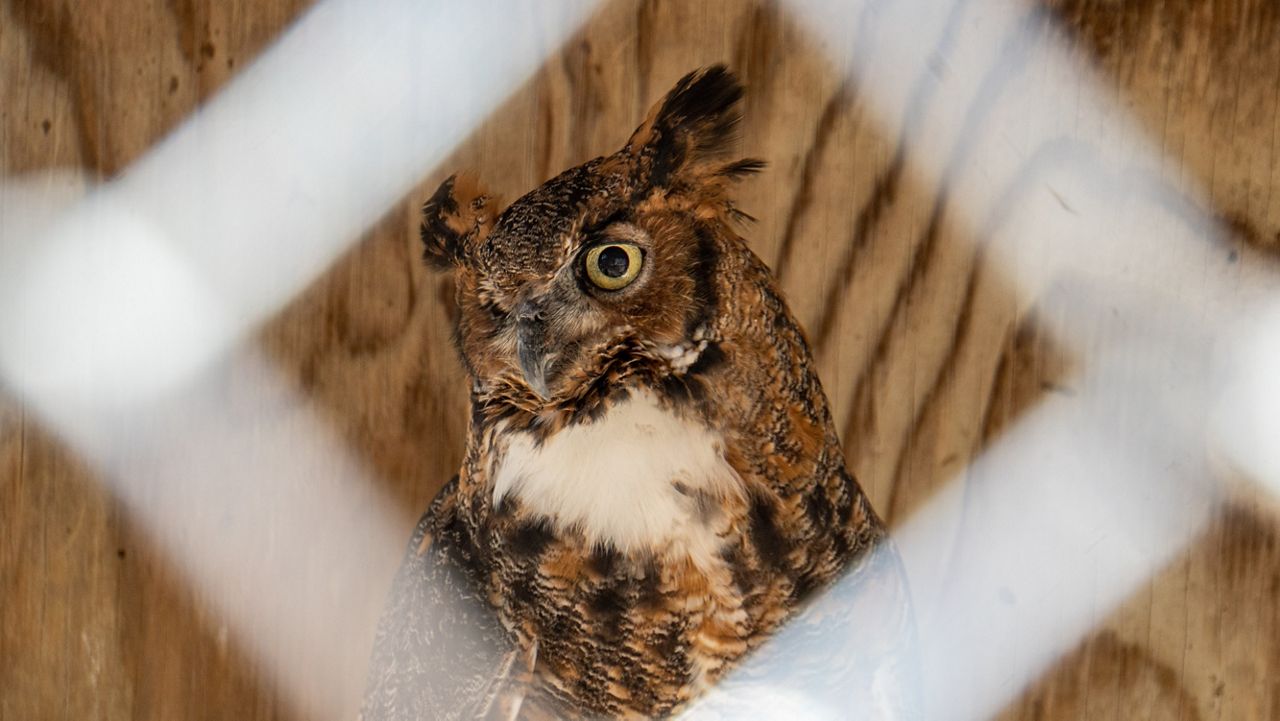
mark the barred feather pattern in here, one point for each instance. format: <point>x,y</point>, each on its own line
<point>553,623</point>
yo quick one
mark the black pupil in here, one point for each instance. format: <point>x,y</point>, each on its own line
<point>613,261</point>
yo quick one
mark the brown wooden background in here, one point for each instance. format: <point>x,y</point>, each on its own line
<point>924,352</point>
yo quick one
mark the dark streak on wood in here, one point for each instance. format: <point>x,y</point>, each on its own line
<point>547,124</point>
<point>961,334</point>
<point>1111,676</point>
<point>997,404</point>
<point>587,103</point>
<point>56,47</point>
<point>646,20</point>
<point>803,197</point>
<point>886,186</point>
<point>925,251</point>
<point>192,20</point>
<point>1112,28</point>
<point>755,57</point>
<point>882,196</point>
<point>1244,229</point>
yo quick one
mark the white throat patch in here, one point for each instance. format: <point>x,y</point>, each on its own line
<point>616,479</point>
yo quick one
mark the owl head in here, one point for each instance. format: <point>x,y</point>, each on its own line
<point>607,275</point>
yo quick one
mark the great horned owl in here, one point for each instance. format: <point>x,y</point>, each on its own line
<point>652,483</point>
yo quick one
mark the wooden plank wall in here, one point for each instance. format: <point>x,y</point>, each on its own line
<point>925,352</point>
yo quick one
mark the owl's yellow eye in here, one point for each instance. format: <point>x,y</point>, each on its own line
<point>613,266</point>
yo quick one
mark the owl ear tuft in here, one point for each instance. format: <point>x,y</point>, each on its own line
<point>454,219</point>
<point>694,122</point>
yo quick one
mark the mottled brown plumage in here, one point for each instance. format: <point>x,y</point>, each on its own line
<point>526,592</point>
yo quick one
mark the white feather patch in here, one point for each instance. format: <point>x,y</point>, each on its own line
<point>615,479</point>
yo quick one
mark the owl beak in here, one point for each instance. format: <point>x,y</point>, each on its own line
<point>531,347</point>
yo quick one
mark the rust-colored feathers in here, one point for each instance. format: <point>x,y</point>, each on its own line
<point>652,482</point>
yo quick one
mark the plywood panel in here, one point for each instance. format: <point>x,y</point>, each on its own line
<point>924,348</point>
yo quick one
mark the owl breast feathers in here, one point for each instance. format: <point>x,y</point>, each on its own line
<point>652,483</point>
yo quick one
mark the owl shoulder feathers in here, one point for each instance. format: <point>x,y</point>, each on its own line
<point>440,651</point>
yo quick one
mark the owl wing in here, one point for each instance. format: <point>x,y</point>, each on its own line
<point>851,653</point>
<point>440,651</point>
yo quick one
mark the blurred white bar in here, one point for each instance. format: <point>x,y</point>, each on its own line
<point>269,182</point>
<point>1246,422</point>
<point>119,312</point>
<point>1088,497</point>
<point>284,535</point>
<point>96,302</point>
<point>1068,514</point>
<point>245,203</point>
<point>1045,167</point>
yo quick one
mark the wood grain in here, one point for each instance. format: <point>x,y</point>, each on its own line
<point>925,349</point>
